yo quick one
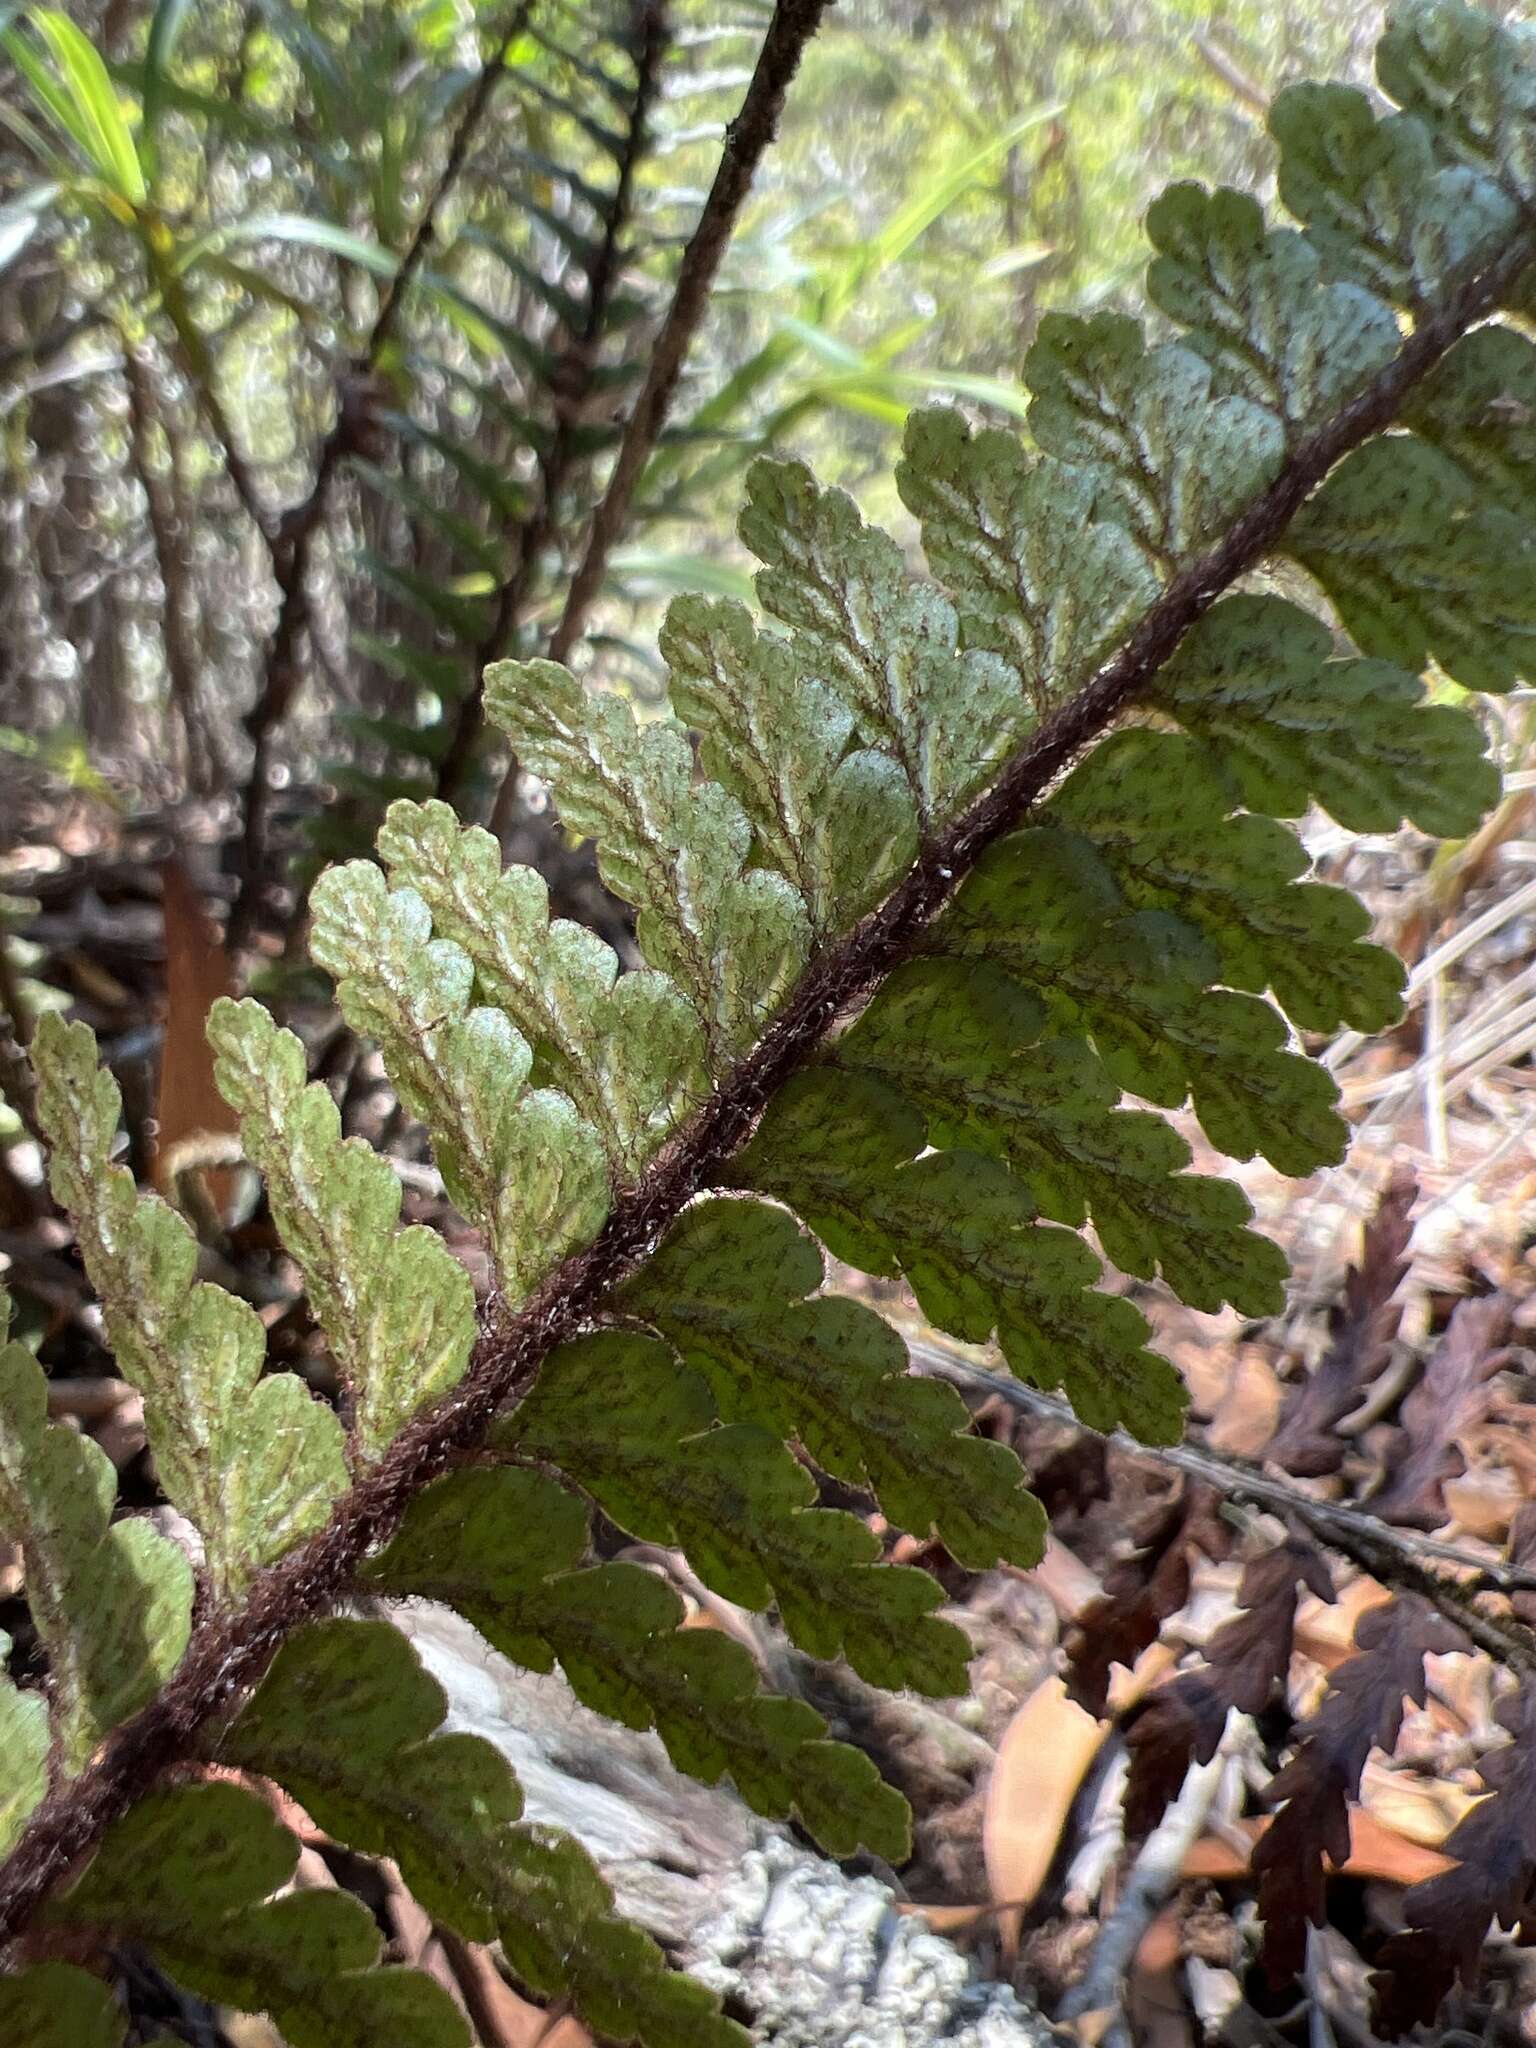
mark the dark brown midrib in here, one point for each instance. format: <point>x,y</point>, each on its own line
<point>229,1652</point>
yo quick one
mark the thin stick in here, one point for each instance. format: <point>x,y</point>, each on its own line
<point>540,526</point>
<point>1392,1555</point>
<point>294,550</point>
<point>230,1650</point>
<point>1153,1876</point>
<point>794,23</point>
<point>748,136</point>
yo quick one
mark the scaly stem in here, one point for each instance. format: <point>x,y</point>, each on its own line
<point>229,1651</point>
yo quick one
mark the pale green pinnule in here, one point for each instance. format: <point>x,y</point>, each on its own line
<point>254,1463</point>
<point>1376,207</point>
<point>1257,305</point>
<point>502,1546</point>
<point>1035,576</point>
<point>111,1602</point>
<point>836,819</point>
<point>396,1308</point>
<point>888,644</point>
<point>732,937</point>
<point>1176,462</point>
<point>629,1052</point>
<point>520,1164</point>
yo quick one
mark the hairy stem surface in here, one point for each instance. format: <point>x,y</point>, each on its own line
<point>230,1651</point>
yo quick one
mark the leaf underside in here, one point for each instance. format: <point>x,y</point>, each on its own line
<point>993,1128</point>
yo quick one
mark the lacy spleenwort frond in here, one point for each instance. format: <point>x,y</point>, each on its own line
<point>914,922</point>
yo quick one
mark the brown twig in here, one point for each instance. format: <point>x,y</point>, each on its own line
<point>1395,1556</point>
<point>169,537</point>
<point>747,137</point>
<point>197,363</point>
<point>580,363</point>
<point>1231,73</point>
<point>793,25</point>
<point>295,542</point>
<point>229,1651</point>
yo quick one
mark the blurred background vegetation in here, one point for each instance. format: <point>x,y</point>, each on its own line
<point>279,471</point>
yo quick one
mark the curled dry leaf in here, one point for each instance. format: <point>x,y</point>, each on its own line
<point>1451,1399</point>
<point>1042,1760</point>
<point>1307,1442</point>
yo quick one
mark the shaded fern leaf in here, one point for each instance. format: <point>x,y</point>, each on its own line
<point>54,2005</point>
<point>192,1872</point>
<point>728,1288</point>
<point>504,1547</point>
<point>1253,682</point>
<point>737,1503</point>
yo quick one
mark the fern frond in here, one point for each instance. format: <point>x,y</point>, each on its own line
<point>397,1309</point>
<point>503,1547</point>
<point>732,938</point>
<point>521,1165</point>
<point>629,1053</point>
<point>254,1464</point>
<point>923,924</point>
<point>191,1873</point>
<point>111,1605</point>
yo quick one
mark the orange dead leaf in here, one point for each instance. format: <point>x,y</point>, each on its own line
<point>1068,1583</point>
<point>1374,1852</point>
<point>1248,1412</point>
<point>197,972</point>
<point>1041,1761</point>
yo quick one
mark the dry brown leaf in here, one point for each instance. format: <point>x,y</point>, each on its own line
<point>1041,1761</point>
<point>197,973</point>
